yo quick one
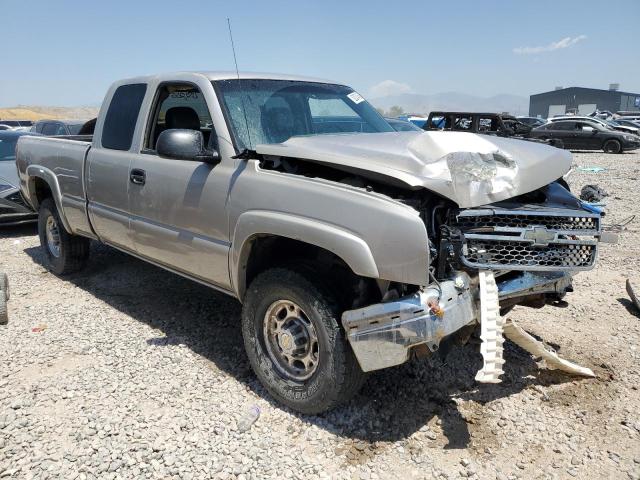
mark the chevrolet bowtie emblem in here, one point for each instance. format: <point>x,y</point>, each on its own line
<point>539,236</point>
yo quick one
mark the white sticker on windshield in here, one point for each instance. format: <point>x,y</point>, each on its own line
<point>355,97</point>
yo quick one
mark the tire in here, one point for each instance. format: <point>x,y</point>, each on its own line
<point>66,253</point>
<point>4,313</point>
<point>558,143</point>
<point>4,286</point>
<point>612,146</point>
<point>337,375</point>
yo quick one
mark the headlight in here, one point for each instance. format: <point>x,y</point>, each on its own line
<point>628,138</point>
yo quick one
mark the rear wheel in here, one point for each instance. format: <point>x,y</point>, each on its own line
<point>293,338</point>
<point>66,253</point>
<point>4,313</point>
<point>612,146</point>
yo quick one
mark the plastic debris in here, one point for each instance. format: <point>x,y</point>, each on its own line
<point>248,419</point>
<point>491,324</point>
<point>39,328</point>
<point>517,335</point>
<point>591,169</point>
<point>592,193</point>
<point>631,290</point>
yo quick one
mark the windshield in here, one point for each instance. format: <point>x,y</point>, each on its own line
<point>276,110</point>
<point>8,148</point>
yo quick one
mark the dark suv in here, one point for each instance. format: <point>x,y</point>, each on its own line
<point>583,135</point>
<point>52,128</point>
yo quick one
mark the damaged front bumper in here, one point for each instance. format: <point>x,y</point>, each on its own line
<point>383,335</point>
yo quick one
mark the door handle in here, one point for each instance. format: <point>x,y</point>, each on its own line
<point>137,176</point>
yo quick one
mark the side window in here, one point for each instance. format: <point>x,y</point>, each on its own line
<point>60,129</point>
<point>49,129</point>
<point>179,105</point>
<point>120,121</point>
<point>564,126</point>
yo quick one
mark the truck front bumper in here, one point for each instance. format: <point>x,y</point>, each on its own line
<point>382,335</point>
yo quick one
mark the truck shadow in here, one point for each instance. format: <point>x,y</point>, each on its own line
<point>394,403</point>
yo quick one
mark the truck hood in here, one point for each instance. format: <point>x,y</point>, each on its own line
<point>467,168</point>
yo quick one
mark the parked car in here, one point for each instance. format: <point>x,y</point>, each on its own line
<point>532,121</point>
<point>13,209</point>
<point>5,127</point>
<point>604,123</point>
<point>17,123</point>
<point>585,135</point>
<point>349,252</point>
<point>628,123</point>
<point>416,119</point>
<point>58,127</point>
<point>473,122</point>
<point>402,125</point>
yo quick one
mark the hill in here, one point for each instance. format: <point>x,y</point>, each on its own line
<point>30,112</point>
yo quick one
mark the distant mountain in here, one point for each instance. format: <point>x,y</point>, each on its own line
<point>33,112</point>
<point>453,101</point>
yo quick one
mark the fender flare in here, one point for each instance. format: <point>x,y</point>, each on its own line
<point>37,171</point>
<point>352,249</point>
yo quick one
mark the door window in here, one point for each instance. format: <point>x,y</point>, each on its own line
<point>179,106</point>
<point>50,129</point>
<point>564,126</point>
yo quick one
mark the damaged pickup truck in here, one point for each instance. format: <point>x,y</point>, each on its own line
<point>351,246</point>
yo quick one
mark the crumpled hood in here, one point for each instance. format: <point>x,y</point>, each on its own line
<point>467,168</point>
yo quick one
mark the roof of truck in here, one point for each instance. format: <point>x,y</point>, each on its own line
<point>230,75</point>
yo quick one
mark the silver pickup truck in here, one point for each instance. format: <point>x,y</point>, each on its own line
<point>352,247</point>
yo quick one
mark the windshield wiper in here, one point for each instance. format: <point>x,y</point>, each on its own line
<point>246,154</point>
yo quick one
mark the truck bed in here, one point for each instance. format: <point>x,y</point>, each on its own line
<point>63,160</point>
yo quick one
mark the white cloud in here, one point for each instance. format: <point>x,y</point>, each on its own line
<point>564,43</point>
<point>389,87</point>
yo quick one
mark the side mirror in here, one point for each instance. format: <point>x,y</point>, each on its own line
<point>183,144</point>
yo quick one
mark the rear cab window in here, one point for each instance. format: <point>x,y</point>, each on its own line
<point>122,115</point>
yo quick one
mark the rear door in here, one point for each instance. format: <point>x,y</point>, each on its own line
<point>587,135</point>
<point>109,161</point>
<point>179,206</point>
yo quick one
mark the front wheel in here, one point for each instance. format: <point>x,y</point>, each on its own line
<point>66,253</point>
<point>295,344</point>
<point>612,146</point>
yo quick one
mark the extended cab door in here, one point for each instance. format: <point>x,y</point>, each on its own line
<point>108,165</point>
<point>179,206</point>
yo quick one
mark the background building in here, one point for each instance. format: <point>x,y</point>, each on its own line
<point>582,101</point>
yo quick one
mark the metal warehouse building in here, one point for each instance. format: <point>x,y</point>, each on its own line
<point>582,101</point>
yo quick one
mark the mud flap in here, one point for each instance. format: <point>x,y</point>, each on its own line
<point>517,335</point>
<point>491,324</point>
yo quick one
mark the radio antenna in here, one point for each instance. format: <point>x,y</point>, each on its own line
<point>235,60</point>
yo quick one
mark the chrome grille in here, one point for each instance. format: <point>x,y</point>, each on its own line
<point>524,221</point>
<point>528,240</point>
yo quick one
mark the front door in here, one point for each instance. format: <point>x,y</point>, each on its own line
<point>178,207</point>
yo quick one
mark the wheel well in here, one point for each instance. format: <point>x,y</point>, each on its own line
<point>270,251</point>
<point>41,191</point>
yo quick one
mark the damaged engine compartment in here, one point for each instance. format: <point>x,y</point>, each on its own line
<point>531,241</point>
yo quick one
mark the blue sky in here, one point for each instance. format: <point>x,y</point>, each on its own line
<point>67,52</point>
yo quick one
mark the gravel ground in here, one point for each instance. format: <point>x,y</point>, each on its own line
<point>132,372</point>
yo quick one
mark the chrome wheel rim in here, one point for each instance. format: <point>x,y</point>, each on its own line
<point>291,340</point>
<point>53,236</point>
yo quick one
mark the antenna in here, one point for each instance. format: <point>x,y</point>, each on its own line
<point>235,60</point>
